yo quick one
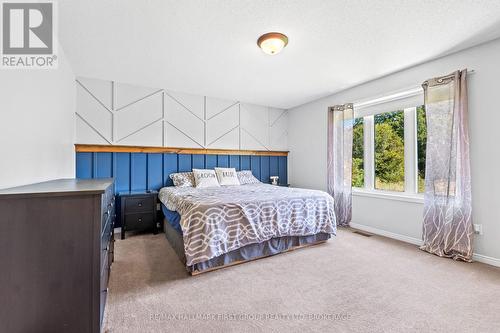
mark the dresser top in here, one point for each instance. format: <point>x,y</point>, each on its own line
<point>58,187</point>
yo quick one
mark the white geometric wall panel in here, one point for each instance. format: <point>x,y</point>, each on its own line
<point>222,123</point>
<point>94,112</point>
<point>86,134</point>
<point>126,94</point>
<point>138,115</point>
<point>110,112</point>
<point>100,89</point>
<point>149,136</point>
<point>185,126</point>
<point>193,103</point>
<point>278,135</point>
<point>254,127</point>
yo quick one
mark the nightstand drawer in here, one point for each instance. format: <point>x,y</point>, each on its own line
<point>139,221</point>
<point>139,204</point>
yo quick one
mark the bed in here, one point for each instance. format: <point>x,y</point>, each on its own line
<point>211,228</point>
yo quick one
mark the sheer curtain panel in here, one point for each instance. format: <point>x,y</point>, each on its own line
<point>339,168</point>
<point>447,228</point>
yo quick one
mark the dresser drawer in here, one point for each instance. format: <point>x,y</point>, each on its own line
<point>139,204</point>
<point>105,273</point>
<point>106,240</point>
<point>139,221</point>
<point>111,251</point>
<point>104,288</point>
<point>106,224</point>
<point>106,235</point>
<point>109,212</point>
<point>107,198</point>
<point>104,295</point>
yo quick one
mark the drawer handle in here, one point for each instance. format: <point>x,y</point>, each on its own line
<point>139,204</point>
<point>140,219</point>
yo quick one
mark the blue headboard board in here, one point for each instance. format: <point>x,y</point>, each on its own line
<point>150,168</point>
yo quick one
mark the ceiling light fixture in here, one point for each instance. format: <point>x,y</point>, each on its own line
<point>272,43</point>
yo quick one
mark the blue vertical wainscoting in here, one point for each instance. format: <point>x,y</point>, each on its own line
<point>150,171</point>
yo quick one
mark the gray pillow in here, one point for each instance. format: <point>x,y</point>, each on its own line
<point>183,179</point>
<point>246,177</point>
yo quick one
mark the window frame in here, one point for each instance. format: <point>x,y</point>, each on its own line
<point>415,97</point>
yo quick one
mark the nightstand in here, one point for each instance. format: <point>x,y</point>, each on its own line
<point>138,211</point>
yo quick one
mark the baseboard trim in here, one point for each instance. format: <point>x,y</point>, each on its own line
<point>486,260</point>
<point>388,234</point>
<point>415,241</point>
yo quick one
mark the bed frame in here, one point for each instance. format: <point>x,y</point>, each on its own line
<point>234,263</point>
<point>177,243</point>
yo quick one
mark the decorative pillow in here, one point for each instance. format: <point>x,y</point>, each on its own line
<point>227,176</point>
<point>183,179</point>
<point>246,177</point>
<point>205,178</point>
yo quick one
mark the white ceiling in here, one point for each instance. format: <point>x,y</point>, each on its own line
<point>209,47</point>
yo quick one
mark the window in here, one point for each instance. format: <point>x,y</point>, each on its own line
<point>389,144</point>
<point>389,151</point>
<point>358,151</point>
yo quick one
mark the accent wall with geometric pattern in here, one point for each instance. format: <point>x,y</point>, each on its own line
<point>113,113</point>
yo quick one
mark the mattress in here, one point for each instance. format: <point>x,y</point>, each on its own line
<point>219,220</point>
<point>173,218</point>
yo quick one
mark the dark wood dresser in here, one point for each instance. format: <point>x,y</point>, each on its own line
<point>56,249</point>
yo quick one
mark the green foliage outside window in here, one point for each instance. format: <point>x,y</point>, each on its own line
<point>421,146</point>
<point>389,151</point>
<point>358,169</point>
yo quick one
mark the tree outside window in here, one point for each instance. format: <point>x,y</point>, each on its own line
<point>389,151</point>
<point>358,168</point>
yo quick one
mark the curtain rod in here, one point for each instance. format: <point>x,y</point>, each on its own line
<point>394,96</point>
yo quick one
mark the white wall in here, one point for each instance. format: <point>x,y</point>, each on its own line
<point>111,112</point>
<point>307,143</point>
<point>37,124</point>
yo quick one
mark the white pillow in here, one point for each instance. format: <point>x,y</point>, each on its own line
<point>227,176</point>
<point>205,178</point>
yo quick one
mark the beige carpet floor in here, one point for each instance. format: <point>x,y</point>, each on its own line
<point>350,284</point>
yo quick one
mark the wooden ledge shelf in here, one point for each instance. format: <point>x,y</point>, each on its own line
<point>85,148</point>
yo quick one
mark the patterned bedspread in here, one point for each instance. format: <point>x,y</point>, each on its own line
<point>218,220</point>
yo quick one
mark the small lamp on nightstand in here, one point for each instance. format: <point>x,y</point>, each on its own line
<point>274,180</point>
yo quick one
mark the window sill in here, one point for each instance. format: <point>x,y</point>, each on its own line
<point>388,195</point>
